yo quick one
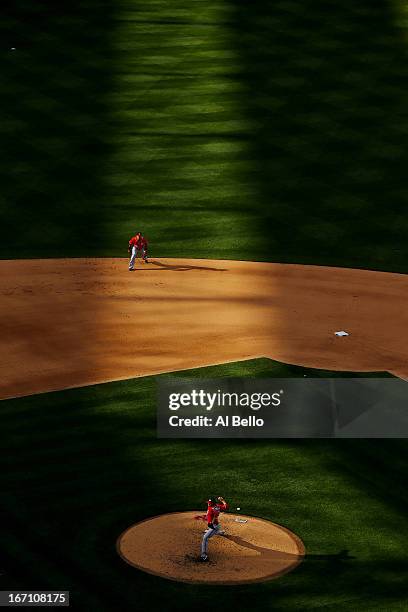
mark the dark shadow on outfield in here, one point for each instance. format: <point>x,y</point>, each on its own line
<point>377,467</point>
<point>56,125</point>
<point>339,557</point>
<point>327,98</point>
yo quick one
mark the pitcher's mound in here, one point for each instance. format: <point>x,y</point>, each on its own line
<point>252,551</point>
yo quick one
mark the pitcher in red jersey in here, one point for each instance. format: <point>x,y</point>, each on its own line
<point>215,505</point>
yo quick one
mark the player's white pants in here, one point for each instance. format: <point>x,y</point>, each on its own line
<point>134,255</point>
<point>208,534</point>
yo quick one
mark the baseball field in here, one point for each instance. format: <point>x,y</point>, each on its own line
<point>261,148</point>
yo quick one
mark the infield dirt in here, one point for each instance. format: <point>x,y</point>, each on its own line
<point>252,550</point>
<point>74,322</point>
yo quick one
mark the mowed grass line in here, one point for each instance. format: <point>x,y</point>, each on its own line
<point>259,131</point>
<point>78,467</point>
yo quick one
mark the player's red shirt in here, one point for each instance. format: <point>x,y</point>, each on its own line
<point>213,512</point>
<point>138,241</point>
<point>134,241</point>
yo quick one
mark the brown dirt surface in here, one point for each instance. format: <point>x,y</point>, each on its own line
<point>75,322</point>
<point>169,546</point>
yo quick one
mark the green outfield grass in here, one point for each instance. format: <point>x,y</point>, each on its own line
<point>80,466</point>
<point>255,130</point>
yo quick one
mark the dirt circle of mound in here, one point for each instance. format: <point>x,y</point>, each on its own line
<point>252,549</point>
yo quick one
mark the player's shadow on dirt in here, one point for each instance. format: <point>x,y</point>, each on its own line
<point>265,552</point>
<point>341,556</point>
<point>182,268</point>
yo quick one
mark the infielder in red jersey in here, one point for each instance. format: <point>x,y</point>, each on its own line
<point>215,506</point>
<point>137,243</point>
